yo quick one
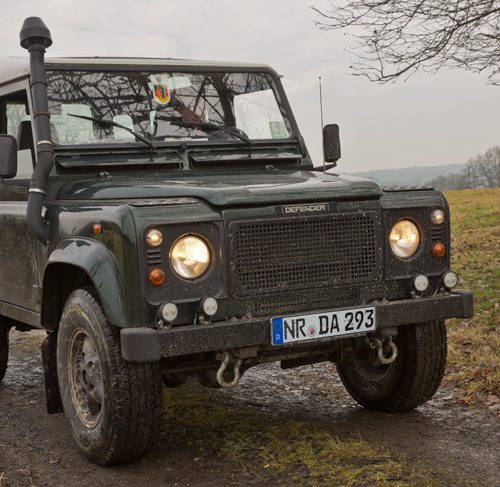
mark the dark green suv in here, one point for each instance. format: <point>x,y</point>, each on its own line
<point>162,218</point>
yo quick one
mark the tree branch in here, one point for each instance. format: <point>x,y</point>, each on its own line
<point>394,39</point>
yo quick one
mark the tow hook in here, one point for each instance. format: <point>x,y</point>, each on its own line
<point>225,357</point>
<point>387,351</point>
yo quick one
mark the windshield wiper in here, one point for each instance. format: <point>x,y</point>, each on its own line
<point>207,126</point>
<point>111,123</point>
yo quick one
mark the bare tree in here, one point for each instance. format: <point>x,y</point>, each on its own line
<point>450,182</point>
<point>395,38</point>
<point>483,171</point>
<point>472,174</point>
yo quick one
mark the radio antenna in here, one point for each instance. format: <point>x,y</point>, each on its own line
<point>321,112</point>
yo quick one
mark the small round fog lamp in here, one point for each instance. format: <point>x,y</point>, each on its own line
<point>169,312</point>
<point>420,283</point>
<point>209,306</point>
<point>450,279</point>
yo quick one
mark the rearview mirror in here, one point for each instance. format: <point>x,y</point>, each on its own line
<point>331,143</point>
<point>8,156</point>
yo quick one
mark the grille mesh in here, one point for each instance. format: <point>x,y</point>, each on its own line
<point>310,252</point>
<point>281,303</point>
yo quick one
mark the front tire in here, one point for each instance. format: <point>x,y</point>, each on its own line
<point>408,382</point>
<point>4,350</point>
<point>113,406</point>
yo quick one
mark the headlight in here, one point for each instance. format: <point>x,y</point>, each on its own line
<point>190,257</point>
<point>404,239</point>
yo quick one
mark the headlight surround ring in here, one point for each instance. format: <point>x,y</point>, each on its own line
<point>404,239</point>
<point>190,257</point>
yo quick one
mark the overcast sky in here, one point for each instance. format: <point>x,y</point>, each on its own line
<point>428,120</point>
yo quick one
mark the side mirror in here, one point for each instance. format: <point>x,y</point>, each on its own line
<point>331,143</point>
<point>8,156</point>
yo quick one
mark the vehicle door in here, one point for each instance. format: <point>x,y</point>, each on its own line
<point>19,275</point>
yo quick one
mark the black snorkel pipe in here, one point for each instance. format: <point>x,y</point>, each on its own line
<point>36,37</point>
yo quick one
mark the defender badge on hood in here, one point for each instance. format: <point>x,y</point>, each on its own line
<point>306,208</point>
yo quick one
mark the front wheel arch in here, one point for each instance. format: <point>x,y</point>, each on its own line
<point>78,263</point>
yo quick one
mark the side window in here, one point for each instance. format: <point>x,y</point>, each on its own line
<point>19,125</point>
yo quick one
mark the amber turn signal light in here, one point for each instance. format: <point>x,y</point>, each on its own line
<point>156,277</point>
<point>438,250</point>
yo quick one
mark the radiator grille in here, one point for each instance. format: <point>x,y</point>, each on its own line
<point>285,254</point>
<point>282,303</point>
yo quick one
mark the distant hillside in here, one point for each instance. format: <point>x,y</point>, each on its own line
<point>411,175</point>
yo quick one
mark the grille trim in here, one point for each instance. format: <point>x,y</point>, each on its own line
<point>285,254</point>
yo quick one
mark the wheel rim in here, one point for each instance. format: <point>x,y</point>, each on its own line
<point>85,378</point>
<point>366,368</point>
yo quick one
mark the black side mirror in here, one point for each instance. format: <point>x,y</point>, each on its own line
<point>331,143</point>
<point>8,156</point>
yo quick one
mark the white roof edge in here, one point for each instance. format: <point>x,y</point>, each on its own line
<point>13,68</point>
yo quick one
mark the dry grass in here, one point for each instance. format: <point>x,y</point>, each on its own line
<point>474,345</point>
<point>7,481</point>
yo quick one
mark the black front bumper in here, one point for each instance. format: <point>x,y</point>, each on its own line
<point>150,345</point>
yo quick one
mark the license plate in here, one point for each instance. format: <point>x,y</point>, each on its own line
<point>290,329</point>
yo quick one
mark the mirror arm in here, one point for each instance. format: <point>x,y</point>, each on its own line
<point>326,167</point>
<point>24,182</point>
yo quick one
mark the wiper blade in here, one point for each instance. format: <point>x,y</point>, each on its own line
<point>112,123</point>
<point>207,126</point>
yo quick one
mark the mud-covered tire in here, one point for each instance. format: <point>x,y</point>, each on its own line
<point>113,406</point>
<point>408,382</point>
<point>4,350</point>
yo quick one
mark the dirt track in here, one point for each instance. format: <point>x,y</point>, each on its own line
<point>37,449</point>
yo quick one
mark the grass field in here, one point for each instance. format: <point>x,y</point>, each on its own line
<point>474,345</point>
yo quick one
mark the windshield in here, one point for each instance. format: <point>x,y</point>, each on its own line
<point>164,107</point>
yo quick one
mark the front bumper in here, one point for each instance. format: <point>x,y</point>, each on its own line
<point>150,345</point>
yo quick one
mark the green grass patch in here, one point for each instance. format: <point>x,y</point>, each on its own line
<point>272,447</point>
<point>474,345</point>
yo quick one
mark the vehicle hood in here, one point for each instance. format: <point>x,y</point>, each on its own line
<point>225,189</point>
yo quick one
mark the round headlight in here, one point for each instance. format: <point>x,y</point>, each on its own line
<point>404,239</point>
<point>190,257</point>
<point>154,237</point>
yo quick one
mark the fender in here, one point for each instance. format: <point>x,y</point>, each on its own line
<point>100,265</point>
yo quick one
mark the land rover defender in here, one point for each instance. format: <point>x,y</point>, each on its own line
<point>162,218</point>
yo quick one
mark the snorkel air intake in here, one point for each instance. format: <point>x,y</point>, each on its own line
<point>35,37</point>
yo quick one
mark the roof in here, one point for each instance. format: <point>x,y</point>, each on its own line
<point>13,68</point>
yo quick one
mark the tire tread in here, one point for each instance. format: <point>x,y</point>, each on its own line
<point>415,378</point>
<point>136,394</point>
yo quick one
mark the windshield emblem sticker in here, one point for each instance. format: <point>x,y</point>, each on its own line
<point>278,130</point>
<point>160,90</point>
<point>307,208</point>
